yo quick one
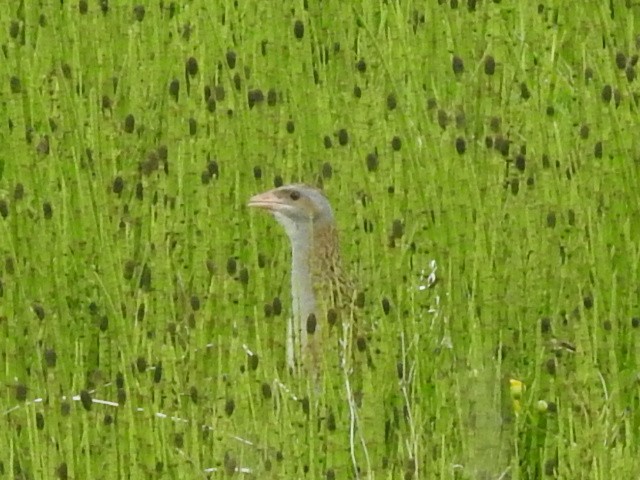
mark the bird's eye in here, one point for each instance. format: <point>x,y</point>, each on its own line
<point>294,195</point>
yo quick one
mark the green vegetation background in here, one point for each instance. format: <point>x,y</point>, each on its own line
<point>483,159</point>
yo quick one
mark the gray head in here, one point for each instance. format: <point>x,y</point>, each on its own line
<point>299,208</point>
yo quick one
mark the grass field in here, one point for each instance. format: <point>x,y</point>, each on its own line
<point>483,159</point>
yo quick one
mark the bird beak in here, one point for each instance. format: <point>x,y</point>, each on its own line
<point>267,201</point>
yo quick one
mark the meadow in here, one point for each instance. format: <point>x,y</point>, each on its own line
<point>483,161</point>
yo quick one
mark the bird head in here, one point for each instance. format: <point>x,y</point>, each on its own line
<point>298,207</point>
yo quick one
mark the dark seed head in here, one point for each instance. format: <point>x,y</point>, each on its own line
<point>211,105</point>
<point>606,94</point>
<point>588,74</point>
<point>243,276</point>
<point>212,167</point>
<point>232,266</point>
<point>39,421</point>
<point>138,12</point>
<point>106,103</point>
<point>343,137</point>
<point>266,391</point>
<point>361,66</point>
<point>174,89</point>
<point>635,322</point>
<point>386,306</point>
<point>15,85</point>
<point>327,142</point>
<point>14,29</point>
<point>277,181</point>
<point>357,91</point>
<point>372,162</point>
<point>311,324</point>
<point>327,170</point>
<point>103,323</point>
<point>85,399</point>
<point>461,145</point>
<point>290,126</point>
<point>545,325</point>
<point>584,132</point>
<point>525,94</point>
<point>39,311</point>
<point>551,219</point>
<point>191,66</point>
<point>515,186</point>
<point>551,111</point>
<point>255,97</point>
<point>229,407</point>
<point>50,357</point>
<point>331,422</point>
<point>502,145</point>
<point>488,142</point>
<point>545,161</point>
<point>272,97</point>
<point>47,210</point>
<point>195,303</point>
<point>128,270</point>
<point>193,126</point>
<point>617,97</point>
<point>443,118</point>
<point>551,366</point>
<point>157,373</point>
<point>489,65</point>
<point>145,278</point>
<point>205,177</point>
<point>392,102</point>
<point>361,343</point>
<point>129,123</point>
<point>621,60</point>
<point>332,317</point>
<point>83,7</point>
<point>298,29</point>
<point>520,162</point>
<point>231,59</point>
<point>304,403</point>
<point>257,172</point>
<point>597,150</point>
<point>396,143</point>
<point>630,73</point>
<point>276,305</point>
<point>359,300</point>
<point>457,65</point>
<point>252,362</point>
<point>21,392</point>
<point>4,208</point>
<point>587,301</point>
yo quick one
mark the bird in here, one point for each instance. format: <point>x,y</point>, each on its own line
<point>320,291</point>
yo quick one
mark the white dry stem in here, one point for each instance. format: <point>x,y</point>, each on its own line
<point>353,408</point>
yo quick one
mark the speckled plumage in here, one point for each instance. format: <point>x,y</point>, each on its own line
<point>318,284</point>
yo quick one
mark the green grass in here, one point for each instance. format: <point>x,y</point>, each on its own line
<point>131,270</point>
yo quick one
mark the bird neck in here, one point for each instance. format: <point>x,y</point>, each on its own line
<point>315,262</point>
